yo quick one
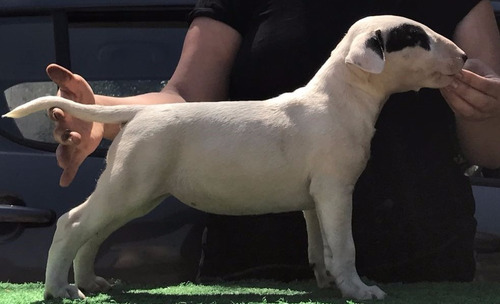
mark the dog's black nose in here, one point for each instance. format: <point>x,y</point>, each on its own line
<point>464,57</point>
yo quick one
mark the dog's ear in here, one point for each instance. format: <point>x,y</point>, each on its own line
<point>367,52</point>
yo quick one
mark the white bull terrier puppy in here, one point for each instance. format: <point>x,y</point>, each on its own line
<point>302,150</point>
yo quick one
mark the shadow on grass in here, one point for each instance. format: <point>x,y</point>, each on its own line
<point>223,293</point>
<point>230,293</point>
<point>219,299</point>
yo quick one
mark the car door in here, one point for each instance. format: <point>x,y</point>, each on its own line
<point>122,49</point>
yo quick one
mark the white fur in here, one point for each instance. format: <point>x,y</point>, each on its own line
<point>299,151</point>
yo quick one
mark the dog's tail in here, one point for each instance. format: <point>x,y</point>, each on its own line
<point>98,113</point>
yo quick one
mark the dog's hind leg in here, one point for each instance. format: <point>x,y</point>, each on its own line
<point>62,250</point>
<point>84,228</point>
<point>316,247</point>
<point>83,264</point>
<point>334,210</point>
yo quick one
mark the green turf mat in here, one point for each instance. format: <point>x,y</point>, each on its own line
<point>262,292</point>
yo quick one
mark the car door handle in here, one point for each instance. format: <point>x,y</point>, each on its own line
<point>26,215</point>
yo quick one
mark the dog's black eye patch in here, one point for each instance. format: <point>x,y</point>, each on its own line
<point>407,35</point>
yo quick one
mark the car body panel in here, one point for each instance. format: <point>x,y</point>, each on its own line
<point>124,48</point>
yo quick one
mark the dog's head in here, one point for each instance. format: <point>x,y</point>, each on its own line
<point>404,52</point>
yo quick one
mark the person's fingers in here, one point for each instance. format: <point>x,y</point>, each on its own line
<point>478,67</point>
<point>480,83</point>
<point>458,105</point>
<point>71,86</point>
<point>462,107</point>
<point>61,76</point>
<point>69,158</point>
<point>55,114</point>
<point>76,138</point>
<point>71,137</point>
<point>67,176</point>
<point>62,134</point>
<point>66,137</point>
<point>475,93</point>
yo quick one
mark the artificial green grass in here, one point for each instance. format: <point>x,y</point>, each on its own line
<point>262,292</point>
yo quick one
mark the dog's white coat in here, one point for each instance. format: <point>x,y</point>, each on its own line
<point>299,151</point>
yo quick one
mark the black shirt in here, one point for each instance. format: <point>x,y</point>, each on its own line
<point>413,215</point>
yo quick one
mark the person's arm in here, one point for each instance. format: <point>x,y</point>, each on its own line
<point>202,74</point>
<point>475,94</point>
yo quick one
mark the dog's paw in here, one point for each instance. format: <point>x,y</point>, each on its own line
<point>361,292</point>
<point>95,285</point>
<point>372,292</point>
<point>67,292</point>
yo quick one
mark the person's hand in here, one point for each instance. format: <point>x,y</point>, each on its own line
<point>76,138</point>
<point>474,94</point>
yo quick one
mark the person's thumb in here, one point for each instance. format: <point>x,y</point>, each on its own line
<point>59,75</point>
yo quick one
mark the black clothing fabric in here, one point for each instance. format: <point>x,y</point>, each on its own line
<point>413,216</point>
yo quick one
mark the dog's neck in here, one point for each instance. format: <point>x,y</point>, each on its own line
<point>341,83</point>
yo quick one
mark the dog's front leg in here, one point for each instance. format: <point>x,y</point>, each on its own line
<point>333,203</point>
<point>316,247</point>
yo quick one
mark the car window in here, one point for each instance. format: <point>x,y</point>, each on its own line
<point>119,55</point>
<point>37,126</point>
